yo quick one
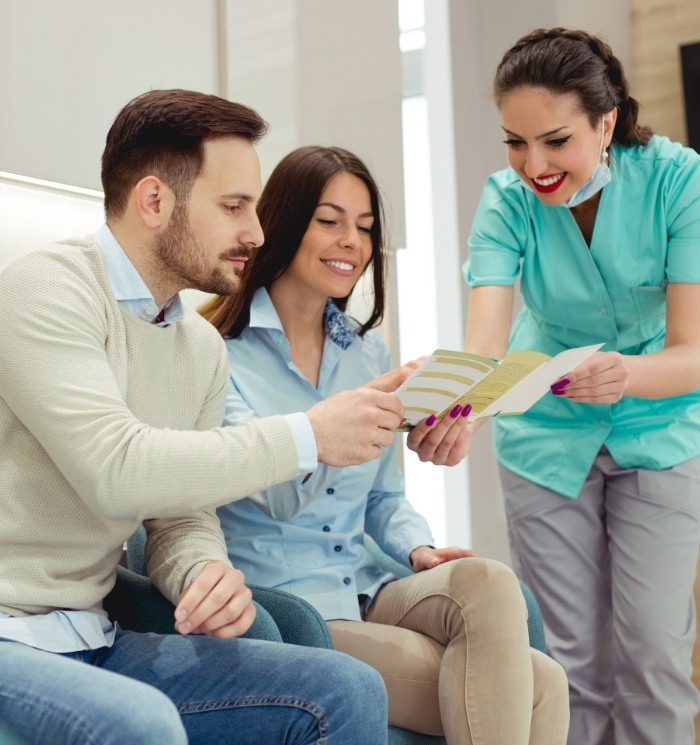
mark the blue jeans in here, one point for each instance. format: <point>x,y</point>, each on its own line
<point>153,689</point>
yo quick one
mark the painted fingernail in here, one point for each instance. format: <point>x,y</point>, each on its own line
<point>467,410</point>
<point>431,420</point>
<point>455,412</point>
<point>558,387</point>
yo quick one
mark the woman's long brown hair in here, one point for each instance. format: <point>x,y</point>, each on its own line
<point>285,209</point>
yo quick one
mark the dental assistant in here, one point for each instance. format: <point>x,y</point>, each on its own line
<point>600,219</point>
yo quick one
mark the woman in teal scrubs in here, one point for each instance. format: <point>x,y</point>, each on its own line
<point>600,219</point>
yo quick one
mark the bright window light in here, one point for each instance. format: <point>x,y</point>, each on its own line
<point>411,25</point>
<point>425,483</point>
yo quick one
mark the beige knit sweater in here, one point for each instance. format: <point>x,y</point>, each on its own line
<point>98,412</point>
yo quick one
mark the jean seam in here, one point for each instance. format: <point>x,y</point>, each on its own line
<point>233,703</point>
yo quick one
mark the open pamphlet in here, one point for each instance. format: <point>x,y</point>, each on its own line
<point>493,388</point>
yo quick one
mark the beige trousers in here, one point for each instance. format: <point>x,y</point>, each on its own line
<point>452,646</point>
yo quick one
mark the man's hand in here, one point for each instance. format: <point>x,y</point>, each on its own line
<point>425,557</point>
<point>444,443</point>
<point>217,603</point>
<point>392,379</point>
<point>352,427</point>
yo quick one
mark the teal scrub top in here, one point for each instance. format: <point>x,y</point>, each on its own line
<point>647,234</point>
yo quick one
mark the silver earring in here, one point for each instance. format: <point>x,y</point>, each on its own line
<point>604,156</point>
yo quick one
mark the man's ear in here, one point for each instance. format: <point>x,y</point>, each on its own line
<point>154,202</point>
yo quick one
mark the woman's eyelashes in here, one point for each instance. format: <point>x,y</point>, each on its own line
<point>556,144</point>
<point>331,223</point>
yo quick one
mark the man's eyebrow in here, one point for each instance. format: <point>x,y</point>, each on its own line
<point>239,195</point>
<point>338,208</point>
<point>549,133</point>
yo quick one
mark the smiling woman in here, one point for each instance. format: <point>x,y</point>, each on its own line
<point>605,253</point>
<point>291,346</point>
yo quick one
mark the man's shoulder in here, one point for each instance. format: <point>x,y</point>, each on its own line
<point>83,254</point>
<point>63,270</point>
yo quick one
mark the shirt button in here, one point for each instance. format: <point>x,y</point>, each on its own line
<point>331,490</point>
<point>337,548</point>
<point>326,528</point>
<point>602,311</point>
<point>347,581</point>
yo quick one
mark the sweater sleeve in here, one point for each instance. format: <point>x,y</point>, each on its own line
<point>177,549</point>
<point>56,378</point>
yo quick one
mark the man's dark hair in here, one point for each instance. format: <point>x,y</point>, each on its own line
<point>162,133</point>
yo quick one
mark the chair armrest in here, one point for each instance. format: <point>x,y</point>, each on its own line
<point>535,623</point>
<point>7,737</point>
<point>297,620</point>
<point>137,605</point>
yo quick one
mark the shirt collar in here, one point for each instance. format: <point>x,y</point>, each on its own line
<point>336,323</point>
<point>128,285</point>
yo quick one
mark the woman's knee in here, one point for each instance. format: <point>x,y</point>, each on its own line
<point>550,710</point>
<point>550,680</point>
<point>487,580</point>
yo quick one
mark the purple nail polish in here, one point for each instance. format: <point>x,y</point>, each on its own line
<point>430,420</point>
<point>455,412</point>
<point>466,411</point>
<point>558,387</point>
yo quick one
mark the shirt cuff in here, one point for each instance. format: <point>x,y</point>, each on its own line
<point>305,442</point>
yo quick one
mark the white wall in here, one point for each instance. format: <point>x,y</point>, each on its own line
<point>68,66</point>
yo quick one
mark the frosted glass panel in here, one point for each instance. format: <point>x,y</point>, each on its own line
<point>32,215</point>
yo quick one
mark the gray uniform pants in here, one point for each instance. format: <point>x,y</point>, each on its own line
<point>614,572</point>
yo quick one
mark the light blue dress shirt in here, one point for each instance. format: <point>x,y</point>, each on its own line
<point>72,630</point>
<point>308,538</point>
<point>647,234</point>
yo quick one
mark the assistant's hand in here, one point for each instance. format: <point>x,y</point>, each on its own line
<point>425,557</point>
<point>353,426</point>
<point>392,379</point>
<point>444,443</point>
<point>601,379</point>
<point>217,603</point>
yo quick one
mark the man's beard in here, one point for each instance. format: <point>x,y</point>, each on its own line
<point>180,254</point>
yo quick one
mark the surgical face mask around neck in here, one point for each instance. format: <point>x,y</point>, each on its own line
<point>600,177</point>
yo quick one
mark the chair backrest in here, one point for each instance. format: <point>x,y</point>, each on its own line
<point>135,547</point>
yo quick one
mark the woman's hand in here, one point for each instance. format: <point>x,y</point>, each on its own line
<point>427,557</point>
<point>444,443</point>
<point>601,379</point>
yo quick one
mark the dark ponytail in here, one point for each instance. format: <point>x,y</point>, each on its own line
<point>571,61</point>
